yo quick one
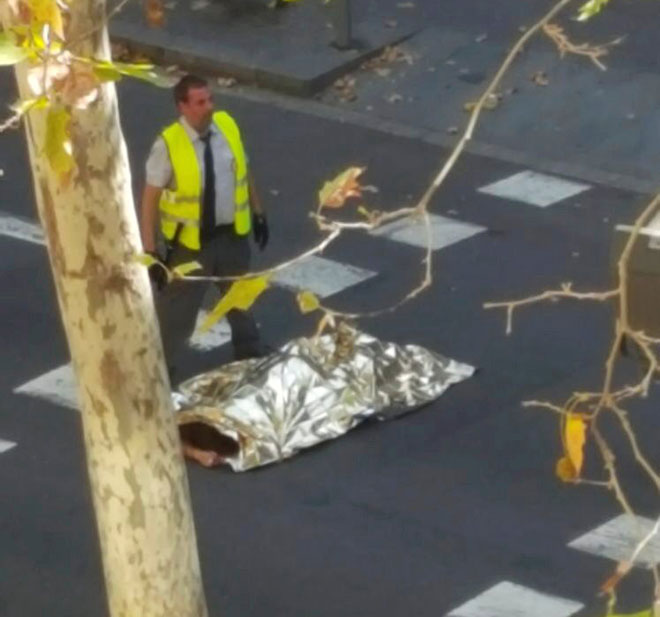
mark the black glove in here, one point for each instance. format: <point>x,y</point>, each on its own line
<point>260,228</point>
<point>157,272</point>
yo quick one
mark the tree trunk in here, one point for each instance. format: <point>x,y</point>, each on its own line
<point>136,470</point>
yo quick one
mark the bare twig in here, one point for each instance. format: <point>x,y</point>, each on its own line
<point>565,46</point>
<point>476,112</point>
<point>565,292</point>
<point>12,122</point>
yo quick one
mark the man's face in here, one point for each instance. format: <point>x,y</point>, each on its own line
<point>198,108</point>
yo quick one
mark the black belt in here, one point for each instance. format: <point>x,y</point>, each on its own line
<point>207,234</point>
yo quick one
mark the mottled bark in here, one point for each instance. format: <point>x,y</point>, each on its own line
<point>136,470</point>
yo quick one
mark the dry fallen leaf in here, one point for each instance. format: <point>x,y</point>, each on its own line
<point>394,98</point>
<point>405,5</point>
<point>540,78</point>
<point>491,102</point>
<point>154,13</point>
<point>345,89</point>
<point>390,55</point>
<point>226,82</point>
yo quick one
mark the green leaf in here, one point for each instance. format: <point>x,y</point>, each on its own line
<point>648,613</point>
<point>106,70</point>
<point>57,147</point>
<point>591,8</point>
<point>182,270</point>
<point>146,259</point>
<point>146,72</point>
<point>10,53</point>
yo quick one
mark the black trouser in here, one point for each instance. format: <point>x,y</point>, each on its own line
<point>224,253</point>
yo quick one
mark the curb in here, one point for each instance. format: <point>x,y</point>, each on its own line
<point>260,76</point>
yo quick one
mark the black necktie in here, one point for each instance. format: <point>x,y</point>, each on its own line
<point>208,201</point>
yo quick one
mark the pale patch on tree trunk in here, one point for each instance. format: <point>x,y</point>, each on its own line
<point>136,470</point>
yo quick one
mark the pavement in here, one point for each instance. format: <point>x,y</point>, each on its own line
<point>419,516</point>
<point>603,123</point>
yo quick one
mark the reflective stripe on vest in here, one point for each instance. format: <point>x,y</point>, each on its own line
<point>182,206</point>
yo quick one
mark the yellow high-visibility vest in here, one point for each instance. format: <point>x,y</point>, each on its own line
<point>182,206</point>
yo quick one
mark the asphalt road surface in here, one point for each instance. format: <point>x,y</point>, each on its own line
<point>413,517</point>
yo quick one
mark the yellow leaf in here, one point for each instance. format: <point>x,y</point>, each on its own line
<point>308,302</point>
<point>44,12</point>
<point>23,106</point>
<point>648,613</point>
<point>10,51</point>
<point>335,193</point>
<point>241,295</point>
<point>182,270</point>
<point>57,147</point>
<point>565,470</point>
<point>575,429</point>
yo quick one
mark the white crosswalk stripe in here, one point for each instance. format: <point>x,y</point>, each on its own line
<point>217,335</point>
<point>21,229</point>
<point>510,600</point>
<point>617,539</point>
<point>534,188</point>
<point>5,445</point>
<point>322,276</point>
<point>57,386</point>
<point>444,231</point>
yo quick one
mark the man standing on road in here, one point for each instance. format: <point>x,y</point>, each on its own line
<point>198,184</point>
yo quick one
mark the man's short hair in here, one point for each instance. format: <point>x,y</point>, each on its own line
<point>185,84</point>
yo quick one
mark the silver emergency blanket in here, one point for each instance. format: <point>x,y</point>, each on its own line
<point>312,390</point>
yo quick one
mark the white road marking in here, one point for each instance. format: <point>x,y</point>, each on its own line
<point>510,600</point>
<point>444,231</point>
<point>21,229</point>
<point>57,386</point>
<point>5,446</point>
<point>535,188</point>
<point>219,334</point>
<point>618,538</point>
<point>30,232</point>
<point>321,276</point>
<point>652,231</point>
